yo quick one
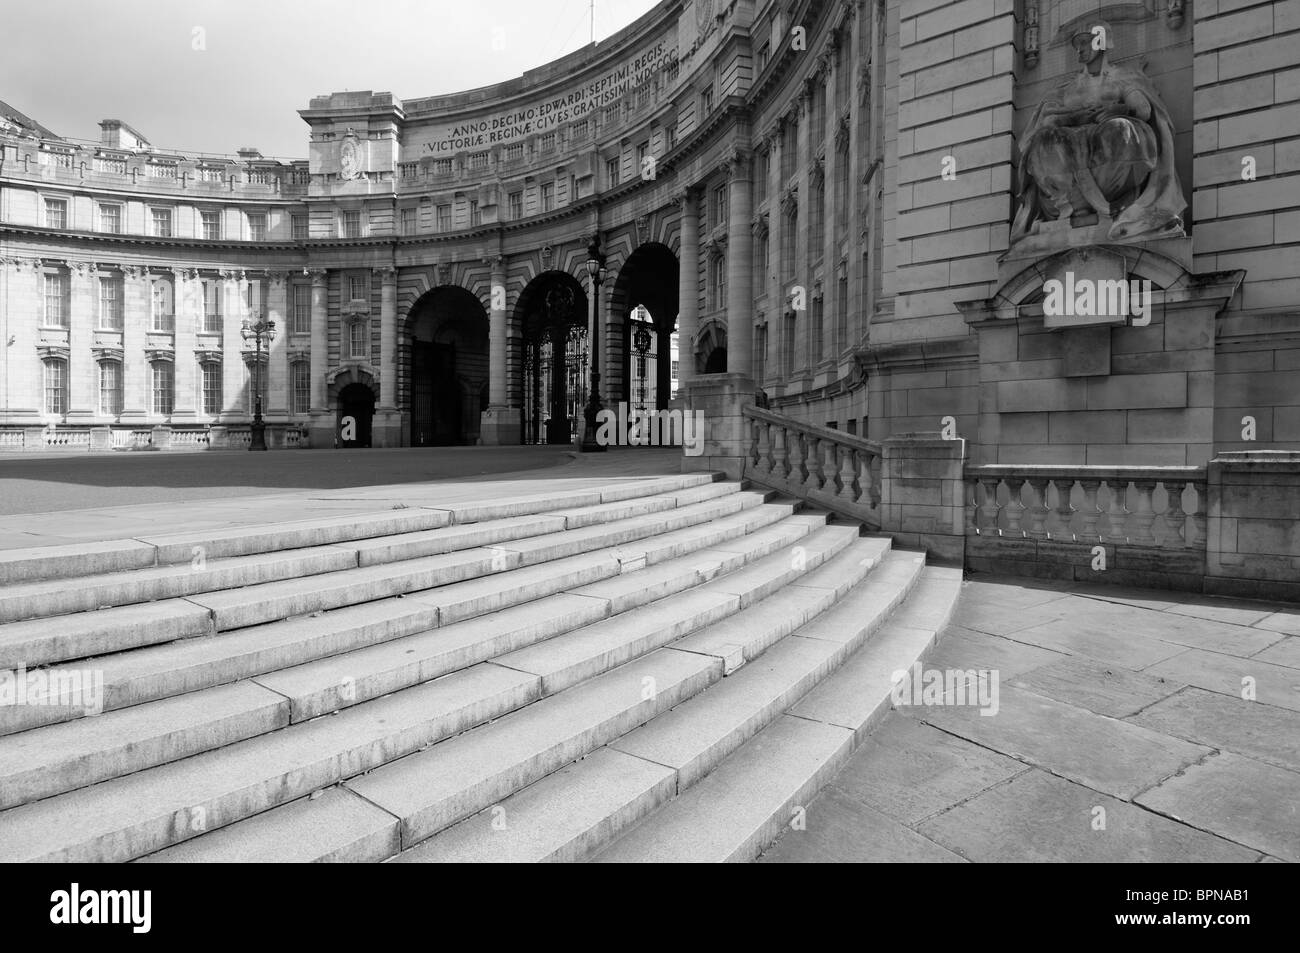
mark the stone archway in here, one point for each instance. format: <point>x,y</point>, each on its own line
<point>552,316</point>
<point>710,355</point>
<point>445,367</point>
<point>649,278</point>
<point>353,390</point>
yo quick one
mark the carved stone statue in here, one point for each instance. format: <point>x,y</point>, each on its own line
<point>1104,141</point>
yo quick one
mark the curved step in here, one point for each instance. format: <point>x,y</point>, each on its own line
<point>432,789</point>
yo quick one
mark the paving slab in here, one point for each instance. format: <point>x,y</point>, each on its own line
<point>1039,818</point>
<point>1286,622</point>
<point>1113,756</point>
<point>1272,684</point>
<point>908,771</point>
<point>1104,689</point>
<point>1097,638</point>
<point>1253,803</point>
<point>1263,732</point>
<point>1236,613</point>
<point>1286,652</point>
<point>963,648</point>
<point>842,830</point>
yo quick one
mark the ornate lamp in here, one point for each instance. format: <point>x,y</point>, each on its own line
<point>596,272</point>
<point>255,331</point>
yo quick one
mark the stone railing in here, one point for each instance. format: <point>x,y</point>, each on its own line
<point>836,470</point>
<point>67,439</point>
<point>1147,506</point>
<point>189,439</point>
<point>11,439</point>
<point>132,439</point>
<point>1136,526</point>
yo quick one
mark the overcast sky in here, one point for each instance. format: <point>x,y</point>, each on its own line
<point>70,63</point>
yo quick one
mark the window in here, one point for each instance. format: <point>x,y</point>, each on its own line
<point>720,207</point>
<point>706,102</point>
<point>56,299</point>
<point>612,172</point>
<point>408,221</point>
<point>548,196</point>
<point>300,228</point>
<point>211,222</point>
<point>163,318</point>
<point>764,53</point>
<point>56,213</point>
<point>444,218</point>
<point>300,372</point>
<point>642,150</point>
<point>110,388</point>
<point>357,288</point>
<point>211,388</point>
<point>670,138</point>
<point>787,342</point>
<point>162,222</point>
<point>762,257</point>
<point>211,306</point>
<point>56,386</point>
<point>674,370</point>
<point>110,218</point>
<point>718,281</point>
<point>816,221</point>
<point>358,340</point>
<point>760,180</point>
<point>161,380</point>
<point>475,216</point>
<point>110,303</point>
<point>815,337</point>
<point>351,224</point>
<point>301,308</point>
<point>515,203</point>
<point>257,226</point>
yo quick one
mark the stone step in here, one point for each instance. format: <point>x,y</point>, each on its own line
<point>596,649</point>
<point>736,811</point>
<point>691,739</point>
<point>151,737</point>
<point>210,572</point>
<point>602,795</point>
<point>132,678</point>
<point>149,810</point>
<point>112,556</point>
<point>156,808</point>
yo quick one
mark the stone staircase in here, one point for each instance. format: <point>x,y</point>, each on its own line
<point>664,669</point>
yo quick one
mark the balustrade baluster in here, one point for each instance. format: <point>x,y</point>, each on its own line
<point>1117,515</point>
<point>1197,537</point>
<point>799,444</point>
<point>989,511</point>
<point>1038,508</point>
<point>1064,508</point>
<point>763,447</point>
<point>780,452</point>
<point>831,467</point>
<point>1145,513</point>
<point>1091,511</point>
<point>1175,517</point>
<point>849,475</point>
<point>1015,508</point>
<point>968,485</point>
<point>815,478</point>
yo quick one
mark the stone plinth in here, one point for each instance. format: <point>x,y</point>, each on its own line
<point>922,500</point>
<point>1253,524</point>
<point>498,427</point>
<point>718,398</point>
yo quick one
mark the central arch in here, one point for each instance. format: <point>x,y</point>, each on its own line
<point>551,314</point>
<point>446,367</point>
<point>649,280</point>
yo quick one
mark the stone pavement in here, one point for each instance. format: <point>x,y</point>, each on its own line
<point>1121,735</point>
<point>196,512</point>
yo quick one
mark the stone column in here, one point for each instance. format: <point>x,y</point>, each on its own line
<point>322,428</point>
<point>135,319</point>
<point>688,288</point>
<point>187,307</point>
<point>233,371</point>
<point>386,428</point>
<point>499,423</point>
<point>740,268</point>
<point>276,387</point>
<point>82,372</point>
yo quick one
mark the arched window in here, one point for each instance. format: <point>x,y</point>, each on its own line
<point>212,397</point>
<point>162,386</point>
<point>110,388</point>
<point>56,386</point>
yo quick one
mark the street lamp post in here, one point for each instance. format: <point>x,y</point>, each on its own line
<point>596,272</point>
<point>255,331</point>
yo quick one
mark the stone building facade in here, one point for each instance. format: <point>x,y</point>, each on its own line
<point>819,194</point>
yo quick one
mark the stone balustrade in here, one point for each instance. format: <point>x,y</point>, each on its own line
<point>1148,506</point>
<point>837,470</point>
